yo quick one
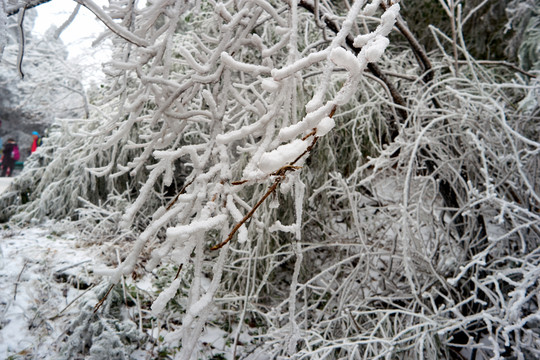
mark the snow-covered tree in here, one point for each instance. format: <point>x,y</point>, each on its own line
<point>343,197</point>
<point>50,86</point>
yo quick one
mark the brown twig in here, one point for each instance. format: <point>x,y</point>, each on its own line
<point>178,272</point>
<point>239,182</point>
<point>183,190</point>
<point>280,175</point>
<point>98,305</point>
<point>248,215</point>
<point>71,303</point>
<point>18,279</point>
<point>315,138</point>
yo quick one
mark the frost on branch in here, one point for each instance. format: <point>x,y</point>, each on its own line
<point>226,104</point>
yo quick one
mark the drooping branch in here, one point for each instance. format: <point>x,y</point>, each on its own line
<point>372,67</point>
<point>113,26</point>
<point>280,176</point>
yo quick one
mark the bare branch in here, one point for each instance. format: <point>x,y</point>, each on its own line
<point>20,55</point>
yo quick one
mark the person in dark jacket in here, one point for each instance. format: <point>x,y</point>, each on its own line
<point>11,151</point>
<point>1,147</point>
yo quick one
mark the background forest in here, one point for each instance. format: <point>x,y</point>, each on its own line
<point>309,179</point>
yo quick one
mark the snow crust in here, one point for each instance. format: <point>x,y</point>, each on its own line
<point>369,9</point>
<point>376,48</point>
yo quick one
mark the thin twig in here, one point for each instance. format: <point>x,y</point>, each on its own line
<point>72,266</point>
<point>18,279</point>
<point>248,215</point>
<point>98,305</point>
<point>239,182</point>
<point>183,190</point>
<point>502,63</point>
<point>112,25</point>
<point>66,23</point>
<point>71,302</point>
<point>178,272</point>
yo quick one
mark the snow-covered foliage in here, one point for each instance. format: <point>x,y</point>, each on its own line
<point>51,87</point>
<point>326,211</point>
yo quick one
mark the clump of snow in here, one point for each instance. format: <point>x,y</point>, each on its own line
<point>283,155</point>
<point>269,84</point>
<point>369,10</point>
<point>375,49</point>
<point>165,296</point>
<point>347,60</point>
<point>325,126</point>
<point>363,39</point>
<point>388,19</point>
<point>310,121</point>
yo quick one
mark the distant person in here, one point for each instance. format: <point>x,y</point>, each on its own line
<point>1,140</point>
<point>36,143</point>
<point>9,157</point>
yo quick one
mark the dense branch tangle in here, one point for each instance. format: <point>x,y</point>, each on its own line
<point>215,117</point>
<point>226,103</point>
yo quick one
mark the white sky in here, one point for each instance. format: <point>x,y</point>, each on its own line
<point>78,36</point>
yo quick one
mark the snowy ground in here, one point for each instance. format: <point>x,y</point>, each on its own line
<point>4,183</point>
<point>36,294</point>
<point>46,279</point>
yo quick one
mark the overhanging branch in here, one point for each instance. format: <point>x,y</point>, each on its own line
<point>14,9</point>
<point>372,67</point>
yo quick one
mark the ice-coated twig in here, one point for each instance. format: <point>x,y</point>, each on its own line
<point>111,24</point>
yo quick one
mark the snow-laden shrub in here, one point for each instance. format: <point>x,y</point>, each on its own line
<point>55,179</point>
